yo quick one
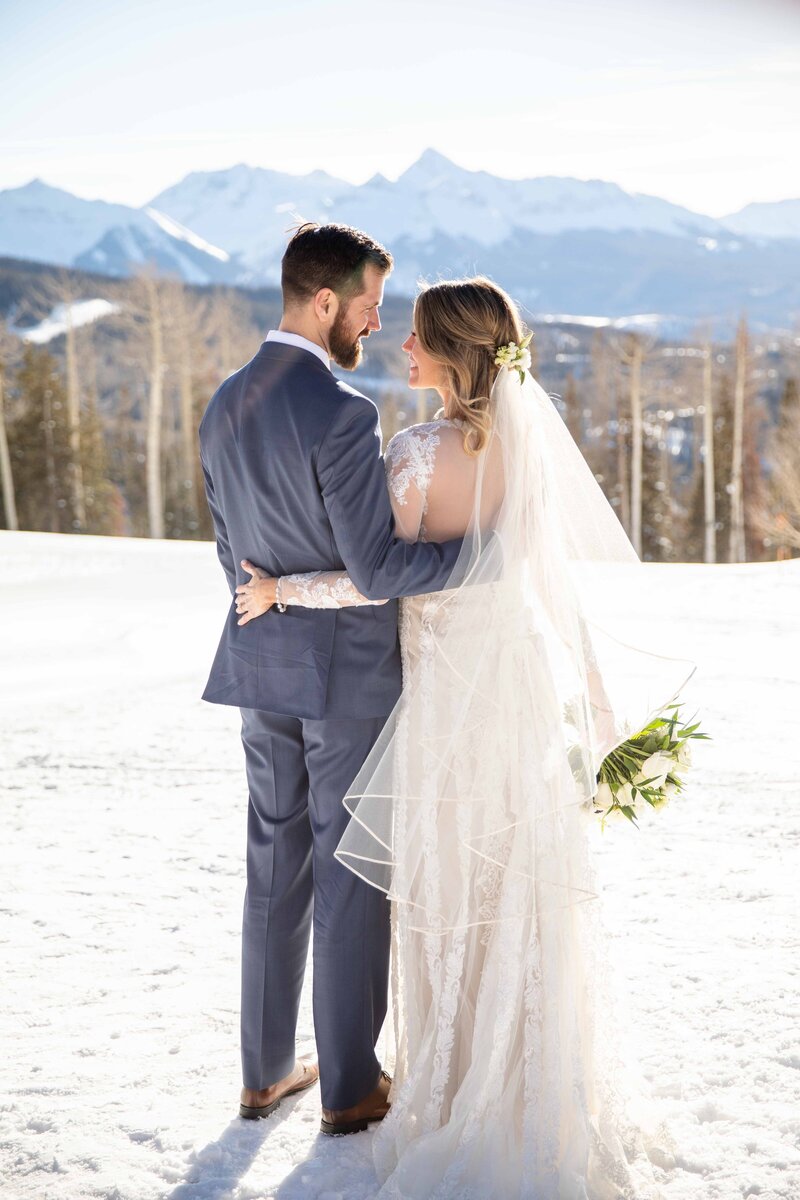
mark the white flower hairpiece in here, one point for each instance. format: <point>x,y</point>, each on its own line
<point>515,357</point>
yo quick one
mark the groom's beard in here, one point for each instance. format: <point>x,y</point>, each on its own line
<point>344,350</point>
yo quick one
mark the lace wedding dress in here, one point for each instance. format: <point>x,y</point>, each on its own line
<point>471,814</point>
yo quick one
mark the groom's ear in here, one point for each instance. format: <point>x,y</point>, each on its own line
<point>326,305</point>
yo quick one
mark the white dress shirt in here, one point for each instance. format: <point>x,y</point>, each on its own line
<point>294,339</point>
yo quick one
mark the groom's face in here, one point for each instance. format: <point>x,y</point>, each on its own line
<point>357,318</point>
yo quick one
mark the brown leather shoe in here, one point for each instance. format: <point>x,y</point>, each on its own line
<point>272,1096</point>
<point>374,1107</point>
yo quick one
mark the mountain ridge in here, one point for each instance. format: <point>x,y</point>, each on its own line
<point>553,240</point>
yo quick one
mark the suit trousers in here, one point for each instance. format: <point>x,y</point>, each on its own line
<point>298,772</point>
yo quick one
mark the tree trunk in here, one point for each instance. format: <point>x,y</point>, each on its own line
<point>50,461</point>
<point>636,356</point>
<point>74,419</point>
<point>622,474</point>
<point>155,496</point>
<point>6,474</point>
<point>187,428</point>
<point>709,496</point>
<point>736,547</point>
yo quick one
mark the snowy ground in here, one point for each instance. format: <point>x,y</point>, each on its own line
<point>122,877</point>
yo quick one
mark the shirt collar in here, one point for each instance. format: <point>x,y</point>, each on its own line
<point>295,339</point>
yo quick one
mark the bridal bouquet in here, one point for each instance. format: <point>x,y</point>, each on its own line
<point>647,769</point>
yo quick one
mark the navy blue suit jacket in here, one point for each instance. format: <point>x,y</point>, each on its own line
<point>295,482</point>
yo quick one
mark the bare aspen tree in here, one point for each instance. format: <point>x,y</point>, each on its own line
<point>632,352</point>
<point>635,361</point>
<point>606,409</point>
<point>185,322</point>
<point>709,496</point>
<point>48,430</point>
<point>6,473</point>
<point>230,327</point>
<point>623,475</point>
<point>67,297</point>
<point>736,545</point>
<point>155,408</point>
<point>223,313</point>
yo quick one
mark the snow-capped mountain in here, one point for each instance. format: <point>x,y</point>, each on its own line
<point>434,195</point>
<point>47,224</point>
<point>558,244</point>
<point>780,219</point>
<point>248,210</point>
<point>160,242</point>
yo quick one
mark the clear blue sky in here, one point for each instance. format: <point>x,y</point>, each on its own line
<point>694,100</point>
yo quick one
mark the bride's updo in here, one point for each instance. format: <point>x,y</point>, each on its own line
<point>460,323</point>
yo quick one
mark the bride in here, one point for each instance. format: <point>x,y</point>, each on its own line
<point>473,810</point>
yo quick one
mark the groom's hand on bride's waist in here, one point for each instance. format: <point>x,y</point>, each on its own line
<point>255,598</point>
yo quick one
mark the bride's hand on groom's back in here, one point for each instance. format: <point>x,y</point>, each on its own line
<point>256,597</point>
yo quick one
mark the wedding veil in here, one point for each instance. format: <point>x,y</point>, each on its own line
<point>472,804</point>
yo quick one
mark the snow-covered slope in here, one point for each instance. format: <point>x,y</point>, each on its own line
<point>249,209</point>
<point>47,224</point>
<point>124,810</point>
<point>82,312</point>
<point>433,196</point>
<point>557,244</point>
<point>437,196</point>
<point>149,240</point>
<point>780,219</point>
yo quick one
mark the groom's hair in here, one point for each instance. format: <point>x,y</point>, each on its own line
<point>332,256</point>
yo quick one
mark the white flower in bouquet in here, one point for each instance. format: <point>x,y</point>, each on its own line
<point>604,797</point>
<point>683,754</point>
<point>655,769</point>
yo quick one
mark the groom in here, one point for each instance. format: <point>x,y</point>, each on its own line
<point>295,482</point>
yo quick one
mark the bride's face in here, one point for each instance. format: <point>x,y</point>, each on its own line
<point>423,371</point>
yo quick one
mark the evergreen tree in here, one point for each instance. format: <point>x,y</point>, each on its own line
<point>39,444</point>
<point>103,503</point>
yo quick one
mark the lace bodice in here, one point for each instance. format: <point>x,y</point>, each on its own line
<point>411,459</point>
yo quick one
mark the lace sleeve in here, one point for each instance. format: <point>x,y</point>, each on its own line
<point>323,589</point>
<point>410,459</point>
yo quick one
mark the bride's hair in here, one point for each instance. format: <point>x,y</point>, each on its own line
<point>460,323</point>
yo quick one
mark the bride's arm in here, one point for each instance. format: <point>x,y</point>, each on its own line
<point>406,477</point>
<point>312,589</point>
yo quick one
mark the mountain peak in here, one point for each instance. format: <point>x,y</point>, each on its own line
<point>431,162</point>
<point>38,187</point>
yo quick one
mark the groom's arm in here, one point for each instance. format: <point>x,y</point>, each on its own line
<point>352,479</point>
<point>224,552</point>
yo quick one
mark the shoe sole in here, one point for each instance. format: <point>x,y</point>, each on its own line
<point>256,1114</point>
<point>344,1127</point>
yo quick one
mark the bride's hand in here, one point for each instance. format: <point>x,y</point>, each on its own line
<point>257,596</point>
